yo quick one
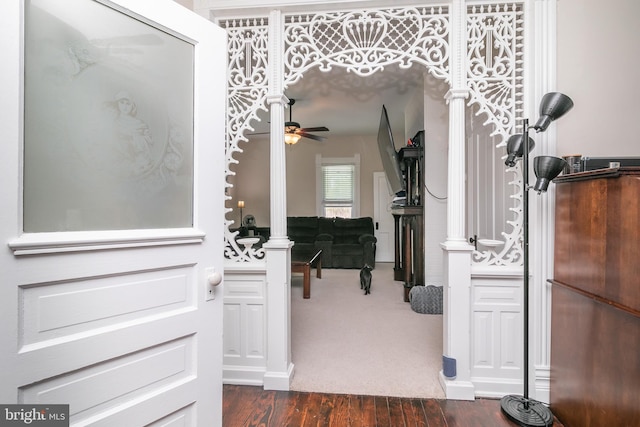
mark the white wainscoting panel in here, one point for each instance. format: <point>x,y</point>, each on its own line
<point>483,354</point>
<point>232,340</point>
<point>496,353</point>
<point>511,336</point>
<point>254,315</point>
<point>244,348</point>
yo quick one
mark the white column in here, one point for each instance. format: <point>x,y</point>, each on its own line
<point>542,221</point>
<point>278,249</point>
<point>277,101</point>
<point>457,251</point>
<point>278,173</point>
<point>456,207</point>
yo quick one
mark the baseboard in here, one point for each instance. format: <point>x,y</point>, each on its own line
<point>243,375</point>
<point>278,380</point>
<point>496,387</point>
<point>543,384</point>
<point>457,390</point>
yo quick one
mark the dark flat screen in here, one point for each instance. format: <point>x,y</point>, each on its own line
<point>389,155</point>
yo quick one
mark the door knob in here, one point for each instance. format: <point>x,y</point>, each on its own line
<point>214,278</point>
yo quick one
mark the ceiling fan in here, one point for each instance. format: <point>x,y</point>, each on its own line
<point>293,132</point>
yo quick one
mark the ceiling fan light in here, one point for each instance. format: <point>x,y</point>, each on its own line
<point>291,138</point>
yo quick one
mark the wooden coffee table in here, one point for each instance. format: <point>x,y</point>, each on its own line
<point>303,265</point>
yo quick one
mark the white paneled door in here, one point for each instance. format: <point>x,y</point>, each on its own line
<point>382,218</point>
<point>112,120</point>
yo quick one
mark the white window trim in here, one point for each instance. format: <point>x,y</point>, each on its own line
<point>355,161</point>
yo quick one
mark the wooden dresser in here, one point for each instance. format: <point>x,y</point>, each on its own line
<point>595,325</point>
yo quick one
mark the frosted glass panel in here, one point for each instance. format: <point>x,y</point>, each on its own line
<point>490,194</point>
<point>108,121</point>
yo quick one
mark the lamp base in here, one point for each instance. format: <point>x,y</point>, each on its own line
<point>526,412</point>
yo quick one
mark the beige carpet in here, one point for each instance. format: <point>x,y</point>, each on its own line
<point>346,342</point>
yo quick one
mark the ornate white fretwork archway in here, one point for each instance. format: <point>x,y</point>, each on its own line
<point>365,42</point>
<point>479,51</point>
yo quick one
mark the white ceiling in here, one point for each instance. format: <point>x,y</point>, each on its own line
<point>348,104</point>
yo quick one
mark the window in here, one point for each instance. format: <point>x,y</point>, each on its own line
<point>338,186</point>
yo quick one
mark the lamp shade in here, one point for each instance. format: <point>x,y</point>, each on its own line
<point>553,106</point>
<point>515,148</point>
<point>546,168</point>
<point>291,138</point>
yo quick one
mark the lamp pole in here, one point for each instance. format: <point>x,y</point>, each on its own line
<point>521,409</point>
<point>525,247</point>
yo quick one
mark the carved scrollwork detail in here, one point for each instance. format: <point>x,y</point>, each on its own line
<point>365,41</point>
<point>495,64</point>
<point>241,253</point>
<point>512,251</point>
<point>248,84</point>
<point>495,67</point>
<point>248,56</point>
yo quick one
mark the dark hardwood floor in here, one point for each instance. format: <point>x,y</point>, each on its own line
<point>253,406</point>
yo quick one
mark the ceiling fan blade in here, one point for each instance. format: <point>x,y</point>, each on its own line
<point>316,129</point>
<point>310,136</point>
<point>294,127</point>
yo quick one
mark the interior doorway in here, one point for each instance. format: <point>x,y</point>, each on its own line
<point>348,89</point>
<point>382,218</point>
<point>314,41</point>
<point>342,93</point>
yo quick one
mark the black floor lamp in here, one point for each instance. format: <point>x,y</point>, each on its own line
<point>520,409</point>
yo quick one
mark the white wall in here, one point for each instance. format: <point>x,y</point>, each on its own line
<point>598,66</point>
<point>436,153</point>
<point>414,119</point>
<point>251,183</point>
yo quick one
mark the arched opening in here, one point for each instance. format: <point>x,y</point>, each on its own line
<point>409,344</point>
<point>500,100</point>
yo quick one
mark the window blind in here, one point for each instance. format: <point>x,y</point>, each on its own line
<point>337,184</point>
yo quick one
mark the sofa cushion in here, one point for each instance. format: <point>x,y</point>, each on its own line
<point>302,229</point>
<point>347,249</point>
<point>303,251</point>
<point>349,230</point>
<point>325,225</point>
<point>367,238</point>
<point>324,237</point>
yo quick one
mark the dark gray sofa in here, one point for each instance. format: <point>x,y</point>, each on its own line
<point>345,242</point>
